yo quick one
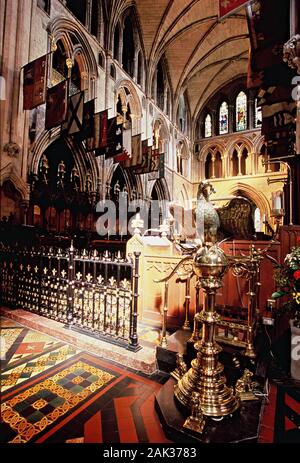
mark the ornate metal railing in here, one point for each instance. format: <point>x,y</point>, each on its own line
<point>89,292</point>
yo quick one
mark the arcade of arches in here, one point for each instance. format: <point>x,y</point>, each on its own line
<point>209,128</point>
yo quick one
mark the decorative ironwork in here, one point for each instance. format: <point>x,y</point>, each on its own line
<point>88,292</point>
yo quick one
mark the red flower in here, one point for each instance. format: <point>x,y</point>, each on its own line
<point>297,275</point>
<point>298,240</point>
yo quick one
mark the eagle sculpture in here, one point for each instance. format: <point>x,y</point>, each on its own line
<point>232,221</point>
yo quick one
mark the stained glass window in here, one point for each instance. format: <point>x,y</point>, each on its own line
<point>241,111</point>
<point>223,118</point>
<point>258,115</point>
<point>208,126</point>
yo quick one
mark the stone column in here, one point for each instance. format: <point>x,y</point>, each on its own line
<point>88,15</point>
<point>121,44</point>
<point>215,122</point>
<point>213,160</point>
<point>231,118</point>
<point>135,65</point>
<point>224,166</point>
<point>240,163</point>
<point>251,114</point>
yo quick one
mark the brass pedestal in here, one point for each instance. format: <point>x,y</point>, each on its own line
<point>205,376</point>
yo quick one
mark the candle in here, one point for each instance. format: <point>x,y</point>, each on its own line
<point>277,200</point>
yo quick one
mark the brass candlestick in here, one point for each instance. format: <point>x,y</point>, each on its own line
<point>206,373</point>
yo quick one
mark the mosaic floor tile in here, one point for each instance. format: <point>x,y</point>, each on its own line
<point>28,413</point>
<point>8,338</point>
<point>7,323</point>
<point>28,369</point>
<point>30,348</point>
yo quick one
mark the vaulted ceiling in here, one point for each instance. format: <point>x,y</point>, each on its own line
<point>202,53</point>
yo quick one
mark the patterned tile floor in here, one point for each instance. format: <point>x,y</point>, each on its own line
<point>53,392</point>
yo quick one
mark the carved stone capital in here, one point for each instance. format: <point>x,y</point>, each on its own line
<point>12,149</point>
<point>291,52</point>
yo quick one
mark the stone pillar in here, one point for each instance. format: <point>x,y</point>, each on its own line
<point>135,65</point>
<point>224,165</point>
<point>88,15</point>
<point>240,164</point>
<point>214,123</point>
<point>253,163</point>
<point>155,86</point>
<point>231,118</point>
<point>251,114</point>
<point>213,160</point>
<point>121,44</point>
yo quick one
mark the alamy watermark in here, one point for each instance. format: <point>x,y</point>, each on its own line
<point>124,217</point>
<point>296,89</point>
<point>295,353</point>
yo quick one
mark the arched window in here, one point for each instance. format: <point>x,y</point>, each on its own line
<point>218,165</point>
<point>223,118</point>
<point>101,59</point>
<point>59,66</point>
<point>179,158</point>
<point>258,115</point>
<point>78,9</point>
<point>45,5</point>
<point>119,111</point>
<point>208,166</point>
<point>117,42</point>
<point>112,71</point>
<point>244,161</point>
<point>128,47</point>
<point>160,89</point>
<point>208,126</point>
<point>241,112</point>
<point>75,82</point>
<point>234,164</point>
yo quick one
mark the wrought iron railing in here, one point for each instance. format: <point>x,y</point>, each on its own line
<point>93,293</point>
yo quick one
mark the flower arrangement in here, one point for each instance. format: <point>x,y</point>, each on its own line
<point>287,279</point>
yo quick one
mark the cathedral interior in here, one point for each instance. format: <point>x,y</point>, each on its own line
<point>150,221</point>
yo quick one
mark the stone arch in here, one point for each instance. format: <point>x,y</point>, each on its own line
<point>8,174</point>
<point>185,148</point>
<point>130,97</point>
<point>79,154</point>
<point>234,144</point>
<point>210,148</point>
<point>258,198</point>
<point>159,124</point>
<point>161,188</point>
<point>258,143</point>
<point>11,200</point>
<point>133,182</point>
<point>185,193</point>
<point>61,28</point>
<point>116,41</point>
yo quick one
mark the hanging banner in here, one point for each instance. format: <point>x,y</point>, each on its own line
<point>74,121</point>
<point>228,7</point>
<point>99,138</point>
<point>56,105</point>
<point>88,121</point>
<point>145,166</point>
<point>136,152</point>
<point>34,87</point>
